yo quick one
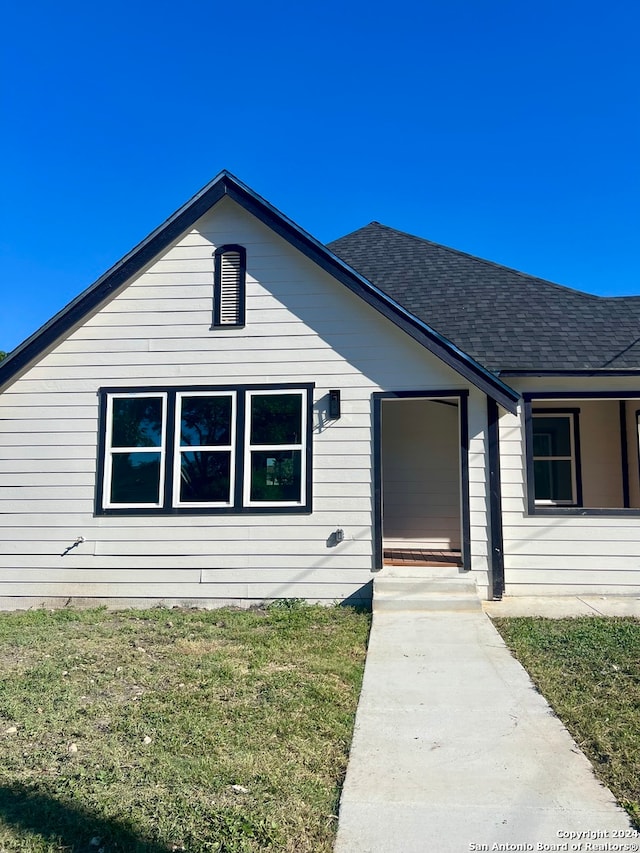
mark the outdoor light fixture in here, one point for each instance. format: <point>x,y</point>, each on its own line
<point>334,405</point>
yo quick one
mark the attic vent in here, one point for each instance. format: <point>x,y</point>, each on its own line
<point>229,286</point>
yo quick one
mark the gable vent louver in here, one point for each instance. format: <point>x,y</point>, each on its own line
<point>229,296</point>
<point>230,288</point>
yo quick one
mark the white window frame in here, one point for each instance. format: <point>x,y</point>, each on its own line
<point>179,450</point>
<point>570,417</point>
<point>249,447</point>
<point>170,453</point>
<point>110,451</point>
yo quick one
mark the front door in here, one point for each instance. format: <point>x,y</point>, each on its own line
<point>423,482</point>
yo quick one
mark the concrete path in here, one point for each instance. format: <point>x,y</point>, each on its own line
<point>454,750</point>
<point>557,607</point>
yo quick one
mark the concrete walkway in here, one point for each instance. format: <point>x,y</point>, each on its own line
<point>454,750</point>
<point>557,607</point>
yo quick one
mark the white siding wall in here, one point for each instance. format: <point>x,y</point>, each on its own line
<point>571,554</point>
<point>301,326</point>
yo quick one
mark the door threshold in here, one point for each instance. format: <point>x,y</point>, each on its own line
<point>421,557</point>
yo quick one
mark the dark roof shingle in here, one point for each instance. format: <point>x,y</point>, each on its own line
<point>504,319</point>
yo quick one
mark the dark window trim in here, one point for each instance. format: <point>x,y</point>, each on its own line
<point>528,398</point>
<point>636,441</point>
<point>238,508</point>
<point>465,520</point>
<point>217,286</point>
<point>575,418</point>
<point>624,453</point>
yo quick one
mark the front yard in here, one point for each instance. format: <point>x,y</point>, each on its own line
<point>169,730</point>
<point>589,671</point>
<point>228,731</point>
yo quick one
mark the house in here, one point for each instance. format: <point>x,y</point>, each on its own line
<point>235,412</point>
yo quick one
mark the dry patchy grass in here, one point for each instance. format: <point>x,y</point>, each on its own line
<point>132,729</point>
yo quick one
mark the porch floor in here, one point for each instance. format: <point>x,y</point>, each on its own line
<point>421,557</point>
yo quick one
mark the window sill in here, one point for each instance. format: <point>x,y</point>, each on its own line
<point>189,511</point>
<point>582,511</point>
<point>216,327</point>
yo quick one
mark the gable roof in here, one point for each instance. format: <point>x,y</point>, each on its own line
<point>508,321</point>
<point>226,185</point>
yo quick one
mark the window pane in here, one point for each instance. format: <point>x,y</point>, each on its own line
<point>137,422</point>
<point>205,421</point>
<point>135,478</point>
<point>276,475</point>
<point>276,419</point>
<point>553,480</point>
<point>552,436</point>
<point>205,476</point>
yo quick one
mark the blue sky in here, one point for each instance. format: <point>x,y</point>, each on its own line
<point>506,129</point>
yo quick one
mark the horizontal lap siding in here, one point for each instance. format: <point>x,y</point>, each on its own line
<point>301,326</point>
<point>565,554</point>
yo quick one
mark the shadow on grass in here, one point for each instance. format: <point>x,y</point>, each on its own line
<point>360,600</point>
<point>70,827</point>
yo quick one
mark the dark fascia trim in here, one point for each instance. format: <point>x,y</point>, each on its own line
<point>238,508</point>
<point>217,286</point>
<point>580,395</point>
<point>127,267</point>
<point>373,296</point>
<point>597,371</point>
<point>495,501</point>
<point>225,184</point>
<point>465,521</point>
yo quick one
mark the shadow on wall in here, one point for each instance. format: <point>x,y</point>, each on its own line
<point>72,827</point>
<point>362,599</point>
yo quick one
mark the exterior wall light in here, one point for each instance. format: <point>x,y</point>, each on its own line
<point>334,405</point>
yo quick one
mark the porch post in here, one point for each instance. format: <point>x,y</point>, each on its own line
<point>496,548</point>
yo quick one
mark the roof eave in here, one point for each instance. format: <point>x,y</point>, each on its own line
<point>225,184</point>
<point>483,379</point>
<point>570,372</point>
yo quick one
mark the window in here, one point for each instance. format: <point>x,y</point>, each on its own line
<point>230,269</point>
<point>274,456</point>
<point>205,438</point>
<point>582,453</point>
<point>205,450</point>
<point>134,463</point>
<point>554,467</point>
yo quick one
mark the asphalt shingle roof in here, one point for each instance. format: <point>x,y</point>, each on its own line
<point>504,319</point>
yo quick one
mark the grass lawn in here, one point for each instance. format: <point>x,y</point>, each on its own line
<point>589,671</point>
<point>166,730</point>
